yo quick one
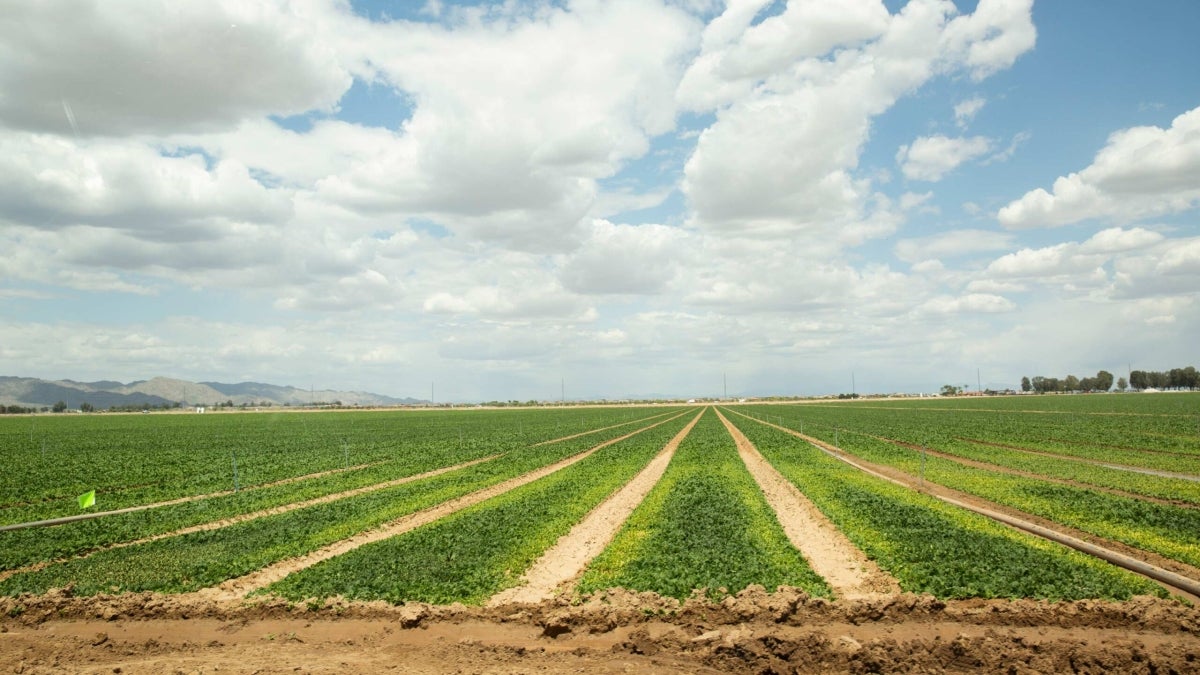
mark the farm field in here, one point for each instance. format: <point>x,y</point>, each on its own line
<point>660,532</point>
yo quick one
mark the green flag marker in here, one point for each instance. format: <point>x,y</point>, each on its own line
<point>87,499</point>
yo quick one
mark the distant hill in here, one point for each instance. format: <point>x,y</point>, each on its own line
<point>34,393</point>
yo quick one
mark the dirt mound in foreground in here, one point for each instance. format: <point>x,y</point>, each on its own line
<point>618,631</point>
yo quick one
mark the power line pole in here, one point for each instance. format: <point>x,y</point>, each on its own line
<point>978,386</point>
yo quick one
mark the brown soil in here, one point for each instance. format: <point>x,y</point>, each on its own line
<point>843,565</point>
<point>234,589</point>
<point>565,561</point>
<point>753,632</point>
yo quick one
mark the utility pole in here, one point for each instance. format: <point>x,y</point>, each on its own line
<point>853,384</point>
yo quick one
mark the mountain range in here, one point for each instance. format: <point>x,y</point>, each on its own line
<point>32,392</point>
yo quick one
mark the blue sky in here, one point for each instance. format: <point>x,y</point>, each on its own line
<point>633,196</point>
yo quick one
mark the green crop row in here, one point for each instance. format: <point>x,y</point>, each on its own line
<point>705,525</point>
<point>1171,531</point>
<point>1178,489</point>
<point>475,553</point>
<point>932,547</point>
<point>917,430</point>
<point>1157,441</point>
<point>1142,404</point>
<point>138,459</point>
<point>191,561</point>
<point>19,548</point>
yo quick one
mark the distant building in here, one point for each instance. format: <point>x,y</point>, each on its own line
<point>200,409</point>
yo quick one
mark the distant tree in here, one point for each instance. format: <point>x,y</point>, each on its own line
<point>1139,379</point>
<point>1070,383</point>
<point>1104,381</point>
<point>86,407</point>
<point>60,406</point>
<point>1122,384</point>
<point>1189,377</point>
<point>1026,386</point>
<point>951,390</point>
<point>1175,378</point>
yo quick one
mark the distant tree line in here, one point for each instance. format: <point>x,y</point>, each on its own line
<point>1103,381</point>
<point>18,410</point>
<point>145,406</point>
<point>1175,378</point>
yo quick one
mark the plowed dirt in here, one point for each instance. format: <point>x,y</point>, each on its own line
<point>753,632</point>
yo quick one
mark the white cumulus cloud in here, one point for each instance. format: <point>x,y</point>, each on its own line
<point>145,66</point>
<point>1141,172</point>
<point>794,108</point>
<point>951,244</point>
<point>965,111</point>
<point>929,158</point>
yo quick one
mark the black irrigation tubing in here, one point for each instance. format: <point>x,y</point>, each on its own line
<point>1163,576</point>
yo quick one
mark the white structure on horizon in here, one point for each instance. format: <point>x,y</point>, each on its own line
<point>200,409</point>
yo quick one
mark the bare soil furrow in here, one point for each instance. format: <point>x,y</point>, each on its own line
<point>847,570</point>
<point>564,562</point>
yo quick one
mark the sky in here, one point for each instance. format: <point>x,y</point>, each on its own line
<point>599,199</point>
